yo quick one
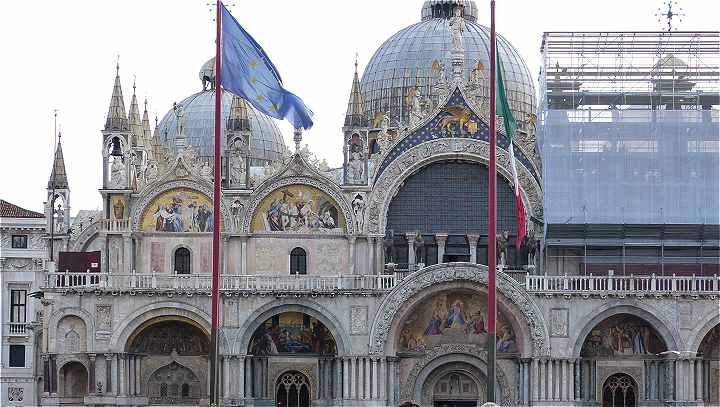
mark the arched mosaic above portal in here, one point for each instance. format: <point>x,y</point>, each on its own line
<point>178,210</point>
<point>454,316</point>
<point>292,333</point>
<point>298,209</point>
<point>622,334</point>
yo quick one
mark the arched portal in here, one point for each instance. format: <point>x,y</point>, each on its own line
<point>73,380</point>
<point>450,198</point>
<point>292,389</point>
<point>174,352</point>
<point>619,390</point>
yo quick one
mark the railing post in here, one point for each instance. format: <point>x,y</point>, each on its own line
<point>565,282</point>
<point>673,285</point>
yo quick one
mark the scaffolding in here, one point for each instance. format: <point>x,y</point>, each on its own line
<point>675,70</point>
<point>628,128</point>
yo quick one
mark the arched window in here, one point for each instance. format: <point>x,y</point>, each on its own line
<point>619,391</point>
<point>292,390</point>
<point>185,390</point>
<point>182,260</point>
<point>298,261</point>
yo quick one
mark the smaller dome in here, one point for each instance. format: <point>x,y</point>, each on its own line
<point>266,141</point>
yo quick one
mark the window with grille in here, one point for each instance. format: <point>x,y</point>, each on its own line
<point>298,261</point>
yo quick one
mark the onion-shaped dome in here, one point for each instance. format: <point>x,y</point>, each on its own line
<point>405,61</point>
<point>266,141</point>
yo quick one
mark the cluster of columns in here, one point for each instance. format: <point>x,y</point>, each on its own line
<point>440,241</point>
<point>349,378</point>
<point>554,379</point>
<point>691,378</point>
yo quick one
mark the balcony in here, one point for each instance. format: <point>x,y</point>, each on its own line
<point>621,286</point>
<point>17,329</point>
<point>259,284</point>
<point>115,225</point>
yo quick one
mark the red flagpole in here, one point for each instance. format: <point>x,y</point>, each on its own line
<point>214,399</point>
<point>492,313</point>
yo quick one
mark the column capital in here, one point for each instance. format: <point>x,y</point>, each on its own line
<point>92,356</point>
<point>411,236</point>
<point>441,237</point>
<point>473,239</point>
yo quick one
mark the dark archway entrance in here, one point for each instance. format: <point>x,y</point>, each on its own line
<point>73,382</point>
<point>619,390</point>
<point>292,390</point>
<point>455,389</point>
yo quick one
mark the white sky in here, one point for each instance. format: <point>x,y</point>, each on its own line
<point>61,55</point>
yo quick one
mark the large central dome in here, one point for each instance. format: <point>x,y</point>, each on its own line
<point>404,61</point>
<point>266,141</point>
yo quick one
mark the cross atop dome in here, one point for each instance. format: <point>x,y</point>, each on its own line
<point>446,9</point>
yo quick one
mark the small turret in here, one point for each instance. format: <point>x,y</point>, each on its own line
<point>116,118</point>
<point>145,124</point>
<point>134,122</point>
<point>355,137</point>
<point>237,133</point>
<point>58,176</point>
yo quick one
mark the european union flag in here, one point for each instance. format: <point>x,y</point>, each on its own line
<point>248,72</point>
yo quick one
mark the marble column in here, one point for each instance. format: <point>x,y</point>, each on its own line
<point>411,248</point>
<point>248,393</point>
<point>353,378</point>
<point>122,375</point>
<point>391,361</point>
<point>46,374</point>
<point>127,257</point>
<point>380,254</point>
<point>131,375</point>
<point>534,383</point>
<point>226,375</point>
<point>92,386</point>
<point>244,256</point>
<point>577,379</point>
<point>473,242</point>
<point>367,394</point>
<point>375,381</point>
<point>337,377</point>
<point>543,378</point>
<point>240,378</point>
<point>382,381</point>
<point>224,257</point>
<point>440,240</point>
<point>351,253</point>
<point>346,378</point>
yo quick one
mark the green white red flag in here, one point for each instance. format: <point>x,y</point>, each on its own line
<point>503,109</point>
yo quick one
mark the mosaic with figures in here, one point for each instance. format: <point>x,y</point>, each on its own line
<point>298,209</point>
<point>622,334</point>
<point>456,119</point>
<point>179,210</point>
<point>292,332</point>
<point>458,316</point>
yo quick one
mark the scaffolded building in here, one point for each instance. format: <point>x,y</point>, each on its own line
<point>628,130</point>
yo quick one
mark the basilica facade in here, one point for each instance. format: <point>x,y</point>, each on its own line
<point>364,285</point>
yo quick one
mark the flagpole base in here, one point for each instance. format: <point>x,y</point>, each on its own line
<point>491,370</point>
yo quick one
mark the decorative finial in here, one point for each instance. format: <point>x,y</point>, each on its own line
<point>145,103</point>
<point>156,119</point>
<point>297,138</point>
<point>117,66</point>
<point>669,14</point>
<point>356,61</point>
<point>134,79</point>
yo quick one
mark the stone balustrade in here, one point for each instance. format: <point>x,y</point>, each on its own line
<point>624,285</point>
<point>16,329</point>
<point>228,282</point>
<point>115,225</point>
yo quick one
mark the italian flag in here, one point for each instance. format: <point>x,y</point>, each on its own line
<point>503,109</point>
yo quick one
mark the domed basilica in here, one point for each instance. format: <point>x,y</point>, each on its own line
<point>364,285</point>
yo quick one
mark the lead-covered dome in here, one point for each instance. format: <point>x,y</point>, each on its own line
<point>266,141</point>
<point>405,61</point>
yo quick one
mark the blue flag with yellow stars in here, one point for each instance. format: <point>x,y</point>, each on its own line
<point>248,72</point>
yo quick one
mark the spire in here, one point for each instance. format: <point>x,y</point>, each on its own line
<point>116,118</point>
<point>156,146</point>
<point>134,120</point>
<point>147,133</point>
<point>58,176</point>
<point>354,116</point>
<point>238,119</point>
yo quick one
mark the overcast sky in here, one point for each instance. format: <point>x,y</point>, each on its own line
<point>61,55</point>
